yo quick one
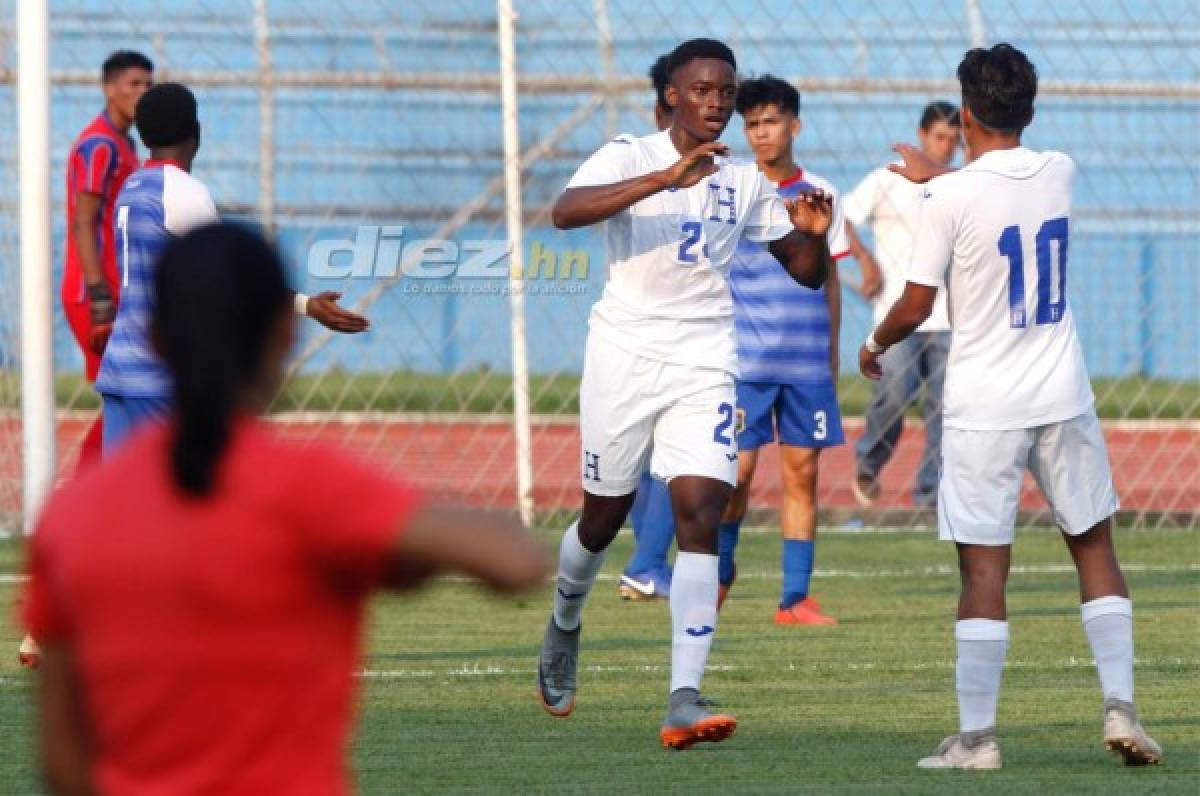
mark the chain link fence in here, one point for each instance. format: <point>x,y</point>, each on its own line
<point>355,133</point>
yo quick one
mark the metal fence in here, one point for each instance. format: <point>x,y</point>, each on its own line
<point>372,126</point>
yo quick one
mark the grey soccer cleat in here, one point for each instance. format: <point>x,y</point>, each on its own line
<point>973,750</point>
<point>1124,735</point>
<point>556,670</point>
<point>689,721</point>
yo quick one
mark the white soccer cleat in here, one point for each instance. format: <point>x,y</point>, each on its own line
<point>953,752</point>
<point>1124,735</point>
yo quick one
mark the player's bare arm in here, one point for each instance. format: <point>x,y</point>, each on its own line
<point>911,310</point>
<point>586,205</point>
<point>872,274</point>
<point>917,167</point>
<point>804,252</point>
<point>102,305</point>
<point>323,308</point>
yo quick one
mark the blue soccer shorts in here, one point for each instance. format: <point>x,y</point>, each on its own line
<point>805,415</point>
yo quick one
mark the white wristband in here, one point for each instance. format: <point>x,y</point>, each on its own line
<point>301,303</point>
<point>872,346</point>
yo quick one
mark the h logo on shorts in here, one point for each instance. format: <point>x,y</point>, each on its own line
<point>591,466</point>
<point>719,203</point>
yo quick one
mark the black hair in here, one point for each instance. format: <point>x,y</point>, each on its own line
<point>940,111</point>
<point>999,85</point>
<point>121,60</point>
<point>692,49</point>
<point>767,90</point>
<point>658,76</point>
<point>219,291</point>
<point>166,115</point>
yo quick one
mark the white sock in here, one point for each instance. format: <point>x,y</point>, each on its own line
<point>1108,622</point>
<point>693,617</point>
<point>982,647</point>
<point>577,568</point>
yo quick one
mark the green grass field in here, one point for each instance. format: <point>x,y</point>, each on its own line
<point>481,391</point>
<point>448,698</point>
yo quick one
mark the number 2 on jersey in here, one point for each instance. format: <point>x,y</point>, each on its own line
<point>1048,311</point>
<point>692,230</point>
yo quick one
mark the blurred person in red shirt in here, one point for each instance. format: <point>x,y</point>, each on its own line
<point>200,594</point>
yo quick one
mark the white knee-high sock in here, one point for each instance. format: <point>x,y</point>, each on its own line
<point>577,568</point>
<point>693,617</point>
<point>982,647</point>
<point>1108,622</point>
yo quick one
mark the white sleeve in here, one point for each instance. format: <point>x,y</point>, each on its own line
<point>186,202</point>
<point>768,219</point>
<point>933,241</point>
<point>836,235</point>
<point>613,162</point>
<point>859,205</point>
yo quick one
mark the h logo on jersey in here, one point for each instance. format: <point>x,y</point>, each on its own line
<point>719,204</point>
<point>591,466</point>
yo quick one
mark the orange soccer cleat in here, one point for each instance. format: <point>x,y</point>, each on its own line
<point>805,612</point>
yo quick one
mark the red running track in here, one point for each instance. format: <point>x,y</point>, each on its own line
<point>1157,468</point>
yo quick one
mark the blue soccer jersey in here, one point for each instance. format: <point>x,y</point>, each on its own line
<point>783,327</point>
<point>158,201</point>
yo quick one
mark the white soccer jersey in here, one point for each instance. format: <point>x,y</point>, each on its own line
<point>667,296</point>
<point>892,206</point>
<point>995,234</point>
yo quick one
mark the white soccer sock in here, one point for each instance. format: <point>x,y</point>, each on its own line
<point>577,568</point>
<point>1108,622</point>
<point>982,647</point>
<point>693,617</point>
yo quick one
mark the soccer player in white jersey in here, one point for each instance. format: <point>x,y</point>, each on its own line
<point>1017,397</point>
<point>661,359</point>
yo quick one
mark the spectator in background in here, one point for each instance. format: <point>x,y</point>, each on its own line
<point>200,593</point>
<point>892,205</point>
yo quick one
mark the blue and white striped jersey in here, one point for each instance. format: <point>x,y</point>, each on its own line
<point>157,201</point>
<point>783,327</point>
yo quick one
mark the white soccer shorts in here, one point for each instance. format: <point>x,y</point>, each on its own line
<point>982,471</point>
<point>634,412</point>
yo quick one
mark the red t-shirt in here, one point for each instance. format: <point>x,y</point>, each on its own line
<point>216,639</point>
<point>100,160</point>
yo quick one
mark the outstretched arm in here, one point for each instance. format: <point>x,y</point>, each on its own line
<point>323,308</point>
<point>917,167</point>
<point>582,206</point>
<point>911,310</point>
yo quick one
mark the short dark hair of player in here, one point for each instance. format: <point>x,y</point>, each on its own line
<point>940,111</point>
<point>220,292</point>
<point>755,92</point>
<point>692,49</point>
<point>658,76</point>
<point>998,86</point>
<point>121,60</point>
<point>166,115</point>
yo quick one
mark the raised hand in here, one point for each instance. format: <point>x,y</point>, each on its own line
<point>695,165</point>
<point>811,212</point>
<point>917,167</point>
